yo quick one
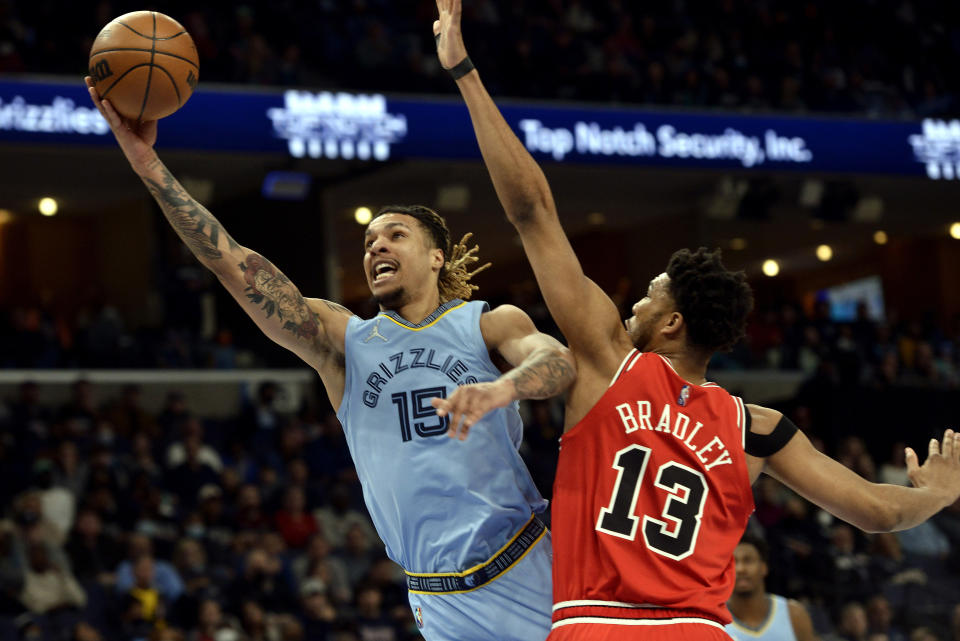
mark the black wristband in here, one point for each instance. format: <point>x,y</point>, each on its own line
<point>763,445</point>
<point>461,69</point>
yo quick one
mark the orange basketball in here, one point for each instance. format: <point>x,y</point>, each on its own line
<point>145,64</point>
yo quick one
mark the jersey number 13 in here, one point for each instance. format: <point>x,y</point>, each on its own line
<point>674,535</point>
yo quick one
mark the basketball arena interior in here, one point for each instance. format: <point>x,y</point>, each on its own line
<point>816,143</point>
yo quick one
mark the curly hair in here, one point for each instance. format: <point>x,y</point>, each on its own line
<point>454,280</point>
<point>758,543</point>
<point>714,302</point>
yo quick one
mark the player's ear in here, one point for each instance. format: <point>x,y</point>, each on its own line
<point>673,324</point>
<point>437,258</point>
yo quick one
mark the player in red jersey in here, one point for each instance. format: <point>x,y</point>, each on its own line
<point>653,483</point>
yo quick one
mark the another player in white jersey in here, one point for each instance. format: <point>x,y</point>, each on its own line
<point>758,615</point>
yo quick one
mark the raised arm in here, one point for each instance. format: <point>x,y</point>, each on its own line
<point>542,368</point>
<point>528,203</point>
<point>872,507</point>
<point>314,331</point>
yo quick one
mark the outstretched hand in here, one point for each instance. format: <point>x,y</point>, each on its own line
<point>469,403</point>
<point>450,47</point>
<point>136,137</point>
<point>941,471</point>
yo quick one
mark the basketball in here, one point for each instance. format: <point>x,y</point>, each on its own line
<point>145,64</point>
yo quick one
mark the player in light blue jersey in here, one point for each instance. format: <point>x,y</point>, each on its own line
<point>758,615</point>
<point>460,516</point>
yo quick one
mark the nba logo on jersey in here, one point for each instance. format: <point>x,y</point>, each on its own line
<point>684,395</point>
<point>419,614</point>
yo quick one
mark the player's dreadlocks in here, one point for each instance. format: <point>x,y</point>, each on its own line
<point>714,302</point>
<point>455,274</point>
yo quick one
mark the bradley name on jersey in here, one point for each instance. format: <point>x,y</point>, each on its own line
<point>414,358</point>
<point>711,452</point>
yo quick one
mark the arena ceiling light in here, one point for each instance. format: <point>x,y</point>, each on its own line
<point>5,216</point>
<point>363,215</point>
<point>955,230</point>
<point>880,237</point>
<point>771,267</point>
<point>48,206</point>
<point>824,253</point>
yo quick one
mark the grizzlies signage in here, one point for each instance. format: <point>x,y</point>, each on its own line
<point>376,128</point>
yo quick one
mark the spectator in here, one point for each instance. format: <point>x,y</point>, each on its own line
<point>317,563</point>
<point>293,521</point>
<point>336,519</point>
<point>93,553</point>
<point>191,431</point>
<point>373,624</point>
<point>184,479</point>
<point>880,618</point>
<point>79,414</point>
<point>49,585</point>
<point>214,625</point>
<point>70,471</point>
<point>12,570</point>
<point>264,579</point>
<point>57,504</point>
<point>249,511</point>
<point>357,553</point>
<point>317,613</point>
<point>153,606</point>
<point>164,577</point>
<point>128,416</point>
<point>853,622</point>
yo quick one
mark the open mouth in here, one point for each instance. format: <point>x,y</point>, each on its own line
<point>384,271</point>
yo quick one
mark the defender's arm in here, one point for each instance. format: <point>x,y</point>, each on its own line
<point>526,198</point>
<point>872,507</point>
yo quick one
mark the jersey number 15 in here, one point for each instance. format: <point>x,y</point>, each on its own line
<point>675,536</point>
<point>419,402</point>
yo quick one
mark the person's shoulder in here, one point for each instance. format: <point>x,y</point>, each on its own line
<point>763,419</point>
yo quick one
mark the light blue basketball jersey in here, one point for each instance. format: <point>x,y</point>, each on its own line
<point>439,504</point>
<point>777,627</point>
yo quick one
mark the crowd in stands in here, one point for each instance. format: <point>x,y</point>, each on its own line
<point>880,57</point>
<point>862,352</point>
<point>122,523</point>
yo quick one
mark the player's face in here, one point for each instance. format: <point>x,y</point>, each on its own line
<point>648,312</point>
<point>398,260</point>
<point>751,569</point>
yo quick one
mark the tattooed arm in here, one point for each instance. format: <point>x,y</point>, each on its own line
<point>313,330</point>
<point>542,368</point>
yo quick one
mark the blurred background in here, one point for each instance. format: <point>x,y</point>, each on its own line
<point>169,473</point>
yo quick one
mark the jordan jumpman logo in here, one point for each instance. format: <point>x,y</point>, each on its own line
<point>375,333</point>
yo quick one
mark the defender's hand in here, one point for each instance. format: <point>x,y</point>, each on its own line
<point>136,137</point>
<point>941,471</point>
<point>469,403</point>
<point>450,47</point>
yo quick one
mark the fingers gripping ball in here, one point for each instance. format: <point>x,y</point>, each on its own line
<point>145,64</point>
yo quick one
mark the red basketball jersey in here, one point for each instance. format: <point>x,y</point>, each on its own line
<point>651,497</point>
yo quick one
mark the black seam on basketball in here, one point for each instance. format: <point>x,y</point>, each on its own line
<point>143,35</point>
<point>172,82</point>
<point>122,76</point>
<point>153,53</point>
<point>159,53</point>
